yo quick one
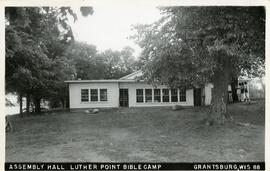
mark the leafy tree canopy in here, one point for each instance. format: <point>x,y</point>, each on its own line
<point>36,39</point>
<point>191,46</point>
<point>185,46</point>
<point>91,64</point>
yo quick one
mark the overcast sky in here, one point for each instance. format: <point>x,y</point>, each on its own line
<point>110,26</point>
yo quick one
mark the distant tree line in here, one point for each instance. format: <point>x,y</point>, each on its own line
<point>41,54</point>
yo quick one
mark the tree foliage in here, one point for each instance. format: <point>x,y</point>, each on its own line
<point>191,46</point>
<point>36,39</point>
<point>182,45</point>
<point>91,64</point>
<point>118,63</point>
<point>41,54</point>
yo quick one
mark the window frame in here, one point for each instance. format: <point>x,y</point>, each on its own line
<point>182,96</point>
<point>139,95</point>
<point>91,95</point>
<point>106,95</point>
<point>157,95</point>
<point>147,96</point>
<point>163,95</point>
<point>174,95</point>
<point>82,96</point>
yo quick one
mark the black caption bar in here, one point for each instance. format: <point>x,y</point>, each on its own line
<point>136,166</point>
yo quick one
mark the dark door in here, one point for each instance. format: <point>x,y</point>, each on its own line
<point>197,97</point>
<point>123,97</point>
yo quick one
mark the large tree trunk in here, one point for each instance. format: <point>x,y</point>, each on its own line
<point>21,105</point>
<point>37,105</point>
<point>63,102</point>
<point>234,85</point>
<point>218,108</point>
<point>27,103</point>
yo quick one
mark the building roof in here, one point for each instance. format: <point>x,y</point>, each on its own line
<point>128,78</point>
<point>132,76</point>
<point>101,81</point>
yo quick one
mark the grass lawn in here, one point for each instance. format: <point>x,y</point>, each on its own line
<point>138,134</point>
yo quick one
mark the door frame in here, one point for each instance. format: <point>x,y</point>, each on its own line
<point>197,96</point>
<point>125,102</point>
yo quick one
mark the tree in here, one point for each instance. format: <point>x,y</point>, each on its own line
<point>128,60</point>
<point>35,41</point>
<point>84,58</point>
<point>109,64</point>
<point>118,63</point>
<point>191,46</point>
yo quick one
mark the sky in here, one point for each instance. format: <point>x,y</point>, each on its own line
<point>110,26</point>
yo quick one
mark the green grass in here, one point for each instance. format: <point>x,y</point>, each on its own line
<point>138,134</point>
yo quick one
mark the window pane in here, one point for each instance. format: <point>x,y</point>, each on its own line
<point>182,95</point>
<point>165,96</point>
<point>140,99</point>
<point>94,95</point>
<point>174,92</point>
<point>139,95</point>
<point>148,92</point>
<point>165,92</point>
<point>94,98</point>
<point>156,95</point>
<point>103,94</point>
<point>84,95</point>
<point>139,91</point>
<point>156,92</point>
<point>148,95</point>
<point>174,95</point>
<point>94,92</point>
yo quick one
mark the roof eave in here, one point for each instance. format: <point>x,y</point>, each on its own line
<point>102,81</point>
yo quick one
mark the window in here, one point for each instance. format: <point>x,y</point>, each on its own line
<point>103,94</point>
<point>174,95</point>
<point>84,95</point>
<point>156,95</point>
<point>148,95</point>
<point>94,95</point>
<point>182,95</point>
<point>139,95</point>
<point>165,96</point>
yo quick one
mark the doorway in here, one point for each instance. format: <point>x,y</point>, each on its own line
<point>197,97</point>
<point>123,97</point>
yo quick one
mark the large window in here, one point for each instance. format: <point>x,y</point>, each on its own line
<point>103,94</point>
<point>84,95</point>
<point>174,95</point>
<point>148,95</point>
<point>94,95</point>
<point>165,96</point>
<point>156,95</point>
<point>182,95</point>
<point>139,95</point>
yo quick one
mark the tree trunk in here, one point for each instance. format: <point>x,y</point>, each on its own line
<point>218,108</point>
<point>234,85</point>
<point>27,103</point>
<point>21,105</point>
<point>63,101</point>
<point>37,105</point>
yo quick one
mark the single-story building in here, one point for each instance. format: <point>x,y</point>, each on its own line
<point>130,91</point>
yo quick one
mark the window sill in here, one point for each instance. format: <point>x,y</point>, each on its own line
<point>159,102</point>
<point>93,102</point>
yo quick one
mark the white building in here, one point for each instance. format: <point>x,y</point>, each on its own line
<point>129,91</point>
